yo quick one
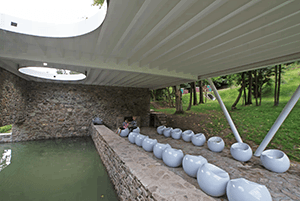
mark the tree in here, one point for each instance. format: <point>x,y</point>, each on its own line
<point>170,96</point>
<point>61,71</point>
<point>278,70</point>
<point>98,3</point>
<point>275,93</point>
<point>240,90</point>
<point>195,93</point>
<point>201,93</point>
<point>153,95</point>
<point>256,87</point>
<point>262,80</point>
<point>249,102</point>
<point>178,100</point>
<point>191,96</point>
<point>279,81</point>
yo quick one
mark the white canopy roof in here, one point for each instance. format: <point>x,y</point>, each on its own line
<point>158,43</point>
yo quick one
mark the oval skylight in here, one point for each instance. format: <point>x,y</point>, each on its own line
<point>53,18</point>
<point>52,73</point>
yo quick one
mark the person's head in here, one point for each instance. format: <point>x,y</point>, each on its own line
<point>134,118</point>
<point>126,120</point>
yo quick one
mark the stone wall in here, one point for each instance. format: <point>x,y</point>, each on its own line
<point>135,175</point>
<point>49,110</point>
<point>127,186</point>
<point>12,98</point>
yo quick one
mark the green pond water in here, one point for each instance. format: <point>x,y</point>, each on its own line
<point>61,169</point>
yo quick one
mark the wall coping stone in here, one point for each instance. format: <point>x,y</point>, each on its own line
<point>5,134</point>
<point>162,183</point>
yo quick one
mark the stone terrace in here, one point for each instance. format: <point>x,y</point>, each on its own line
<point>136,176</point>
<point>284,186</point>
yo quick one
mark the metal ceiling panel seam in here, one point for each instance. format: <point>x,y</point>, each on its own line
<point>153,44</point>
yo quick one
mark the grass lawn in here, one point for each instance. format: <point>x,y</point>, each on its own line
<point>253,122</point>
<point>6,129</point>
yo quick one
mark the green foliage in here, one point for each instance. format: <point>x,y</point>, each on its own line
<point>253,122</point>
<point>98,3</point>
<point>223,81</point>
<point>5,129</point>
<point>74,72</point>
<point>59,71</point>
<point>160,94</point>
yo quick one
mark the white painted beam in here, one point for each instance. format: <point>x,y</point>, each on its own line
<point>285,112</point>
<point>231,124</point>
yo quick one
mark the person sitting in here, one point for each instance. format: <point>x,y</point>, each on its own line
<point>125,124</point>
<point>132,124</point>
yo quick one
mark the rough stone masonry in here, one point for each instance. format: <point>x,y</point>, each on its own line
<point>40,110</point>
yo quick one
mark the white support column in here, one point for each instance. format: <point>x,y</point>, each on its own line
<point>232,126</point>
<point>285,112</point>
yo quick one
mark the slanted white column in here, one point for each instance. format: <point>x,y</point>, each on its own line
<point>232,126</point>
<point>285,112</point>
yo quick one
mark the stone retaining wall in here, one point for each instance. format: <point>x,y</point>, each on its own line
<point>49,110</point>
<point>135,175</point>
<point>12,98</point>
<point>5,138</point>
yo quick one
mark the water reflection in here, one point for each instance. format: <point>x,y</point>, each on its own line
<point>5,160</point>
<point>62,169</point>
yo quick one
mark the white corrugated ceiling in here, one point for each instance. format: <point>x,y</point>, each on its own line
<point>158,43</point>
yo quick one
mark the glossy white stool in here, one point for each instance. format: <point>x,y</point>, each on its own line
<point>187,135</point>
<point>139,139</point>
<point>176,133</point>
<point>199,139</point>
<point>159,148</point>
<point>215,144</point>
<point>172,157</point>
<point>191,164</point>
<point>160,129</point>
<point>241,151</point>
<point>167,131</point>
<point>212,179</point>
<point>275,160</point>
<point>132,136</point>
<point>148,144</point>
<point>244,190</point>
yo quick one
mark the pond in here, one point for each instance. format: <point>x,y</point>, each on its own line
<point>60,169</point>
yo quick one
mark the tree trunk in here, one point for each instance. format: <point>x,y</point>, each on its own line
<point>256,86</point>
<point>205,94</point>
<point>172,97</point>
<point>153,94</point>
<point>169,96</point>
<point>178,102</point>
<point>200,93</point>
<point>191,97</point>
<point>233,107</point>
<point>250,88</point>
<point>195,94</point>
<point>275,93</point>
<point>260,86</point>
<point>244,81</point>
<point>278,85</point>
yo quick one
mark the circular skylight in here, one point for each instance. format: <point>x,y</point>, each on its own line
<point>53,73</point>
<point>53,18</point>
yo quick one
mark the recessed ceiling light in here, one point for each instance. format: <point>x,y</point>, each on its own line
<point>52,73</point>
<point>71,18</point>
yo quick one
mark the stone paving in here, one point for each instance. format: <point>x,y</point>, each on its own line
<point>137,176</point>
<point>282,186</point>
